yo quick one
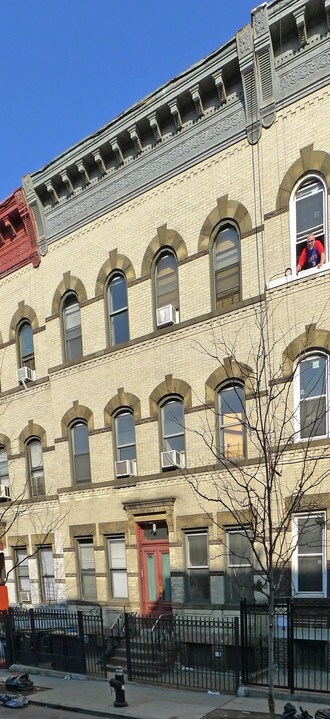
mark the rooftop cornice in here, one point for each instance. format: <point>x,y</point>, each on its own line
<point>236,90</point>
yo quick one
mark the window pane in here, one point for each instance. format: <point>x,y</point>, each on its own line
<point>239,549</point>
<point>35,450</point>
<point>117,294</point>
<point>309,208</point>
<point>119,584</point>
<point>226,248</point>
<point>119,328</point>
<point>87,556</point>
<point>151,577</point>
<point>26,340</point>
<point>46,559</point>
<point>232,402</point>
<point>313,420</point>
<point>199,584</point>
<point>125,429</point>
<point>175,443</point>
<point>117,553</point>
<point>313,377</point>
<point>310,535</point>
<point>197,550</point>
<point>82,468</point>
<point>74,348</point>
<point>167,281</point>
<point>88,586</point>
<point>80,438</point>
<point>310,575</point>
<point>3,463</point>
<point>173,418</point>
<point>166,577</point>
<point>239,583</point>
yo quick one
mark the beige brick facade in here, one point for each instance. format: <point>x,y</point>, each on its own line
<point>240,183</point>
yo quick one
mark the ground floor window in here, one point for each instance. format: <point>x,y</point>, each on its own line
<point>239,580</point>
<point>22,575</point>
<point>46,573</point>
<point>86,564</point>
<point>309,555</point>
<point>117,567</point>
<point>197,562</point>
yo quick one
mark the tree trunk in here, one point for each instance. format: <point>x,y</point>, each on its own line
<point>271,618</point>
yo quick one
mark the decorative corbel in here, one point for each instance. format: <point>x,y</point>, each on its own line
<point>83,172</point>
<point>52,192</point>
<point>175,112</point>
<point>196,96</point>
<point>220,85</point>
<point>155,127</point>
<point>10,227</point>
<point>100,162</point>
<point>117,150</point>
<point>2,237</point>
<point>68,184</point>
<point>133,133</point>
<point>327,12</point>
<point>299,16</point>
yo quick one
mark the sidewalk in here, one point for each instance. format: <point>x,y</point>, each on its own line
<point>145,701</point>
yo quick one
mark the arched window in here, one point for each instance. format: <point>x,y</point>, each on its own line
<point>4,474</point>
<point>35,467</point>
<point>25,345</point>
<point>173,440</point>
<point>166,288</point>
<point>226,263</point>
<point>71,328</point>
<point>231,421</point>
<point>125,464</point>
<point>312,396</point>
<point>117,310</point>
<point>308,215</point>
<point>80,453</point>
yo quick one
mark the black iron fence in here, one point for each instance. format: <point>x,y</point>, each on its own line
<point>301,644</point>
<point>55,639</point>
<point>199,652</point>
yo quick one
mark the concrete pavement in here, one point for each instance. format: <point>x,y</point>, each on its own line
<point>145,701</point>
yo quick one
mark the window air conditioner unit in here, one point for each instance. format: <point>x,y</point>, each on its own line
<point>25,374</point>
<point>172,459</point>
<point>125,468</point>
<point>4,493</point>
<point>166,316</point>
<point>25,596</point>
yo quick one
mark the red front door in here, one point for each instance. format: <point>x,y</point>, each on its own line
<point>155,582</point>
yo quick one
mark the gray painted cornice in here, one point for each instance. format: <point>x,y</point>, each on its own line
<point>234,93</point>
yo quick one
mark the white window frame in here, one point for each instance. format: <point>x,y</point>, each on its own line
<point>191,567</point>
<point>166,437</point>
<point>296,397</point>
<point>112,539</point>
<point>120,445</point>
<point>47,578</point>
<point>243,562</point>
<point>293,222</point>
<point>234,385</point>
<point>296,555</point>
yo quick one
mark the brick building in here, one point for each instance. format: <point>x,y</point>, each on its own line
<point>154,237</point>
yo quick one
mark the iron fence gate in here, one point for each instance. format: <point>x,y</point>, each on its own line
<point>55,639</point>
<point>199,652</point>
<point>301,644</point>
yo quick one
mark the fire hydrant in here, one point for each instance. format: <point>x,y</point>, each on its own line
<point>118,684</point>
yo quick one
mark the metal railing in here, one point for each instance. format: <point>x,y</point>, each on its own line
<point>199,652</point>
<point>301,644</point>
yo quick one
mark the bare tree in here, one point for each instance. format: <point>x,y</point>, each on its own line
<point>268,465</point>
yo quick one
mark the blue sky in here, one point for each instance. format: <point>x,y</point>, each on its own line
<point>70,66</point>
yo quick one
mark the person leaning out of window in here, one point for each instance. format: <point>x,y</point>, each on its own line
<point>313,255</point>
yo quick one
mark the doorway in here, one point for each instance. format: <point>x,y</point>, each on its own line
<point>154,568</point>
